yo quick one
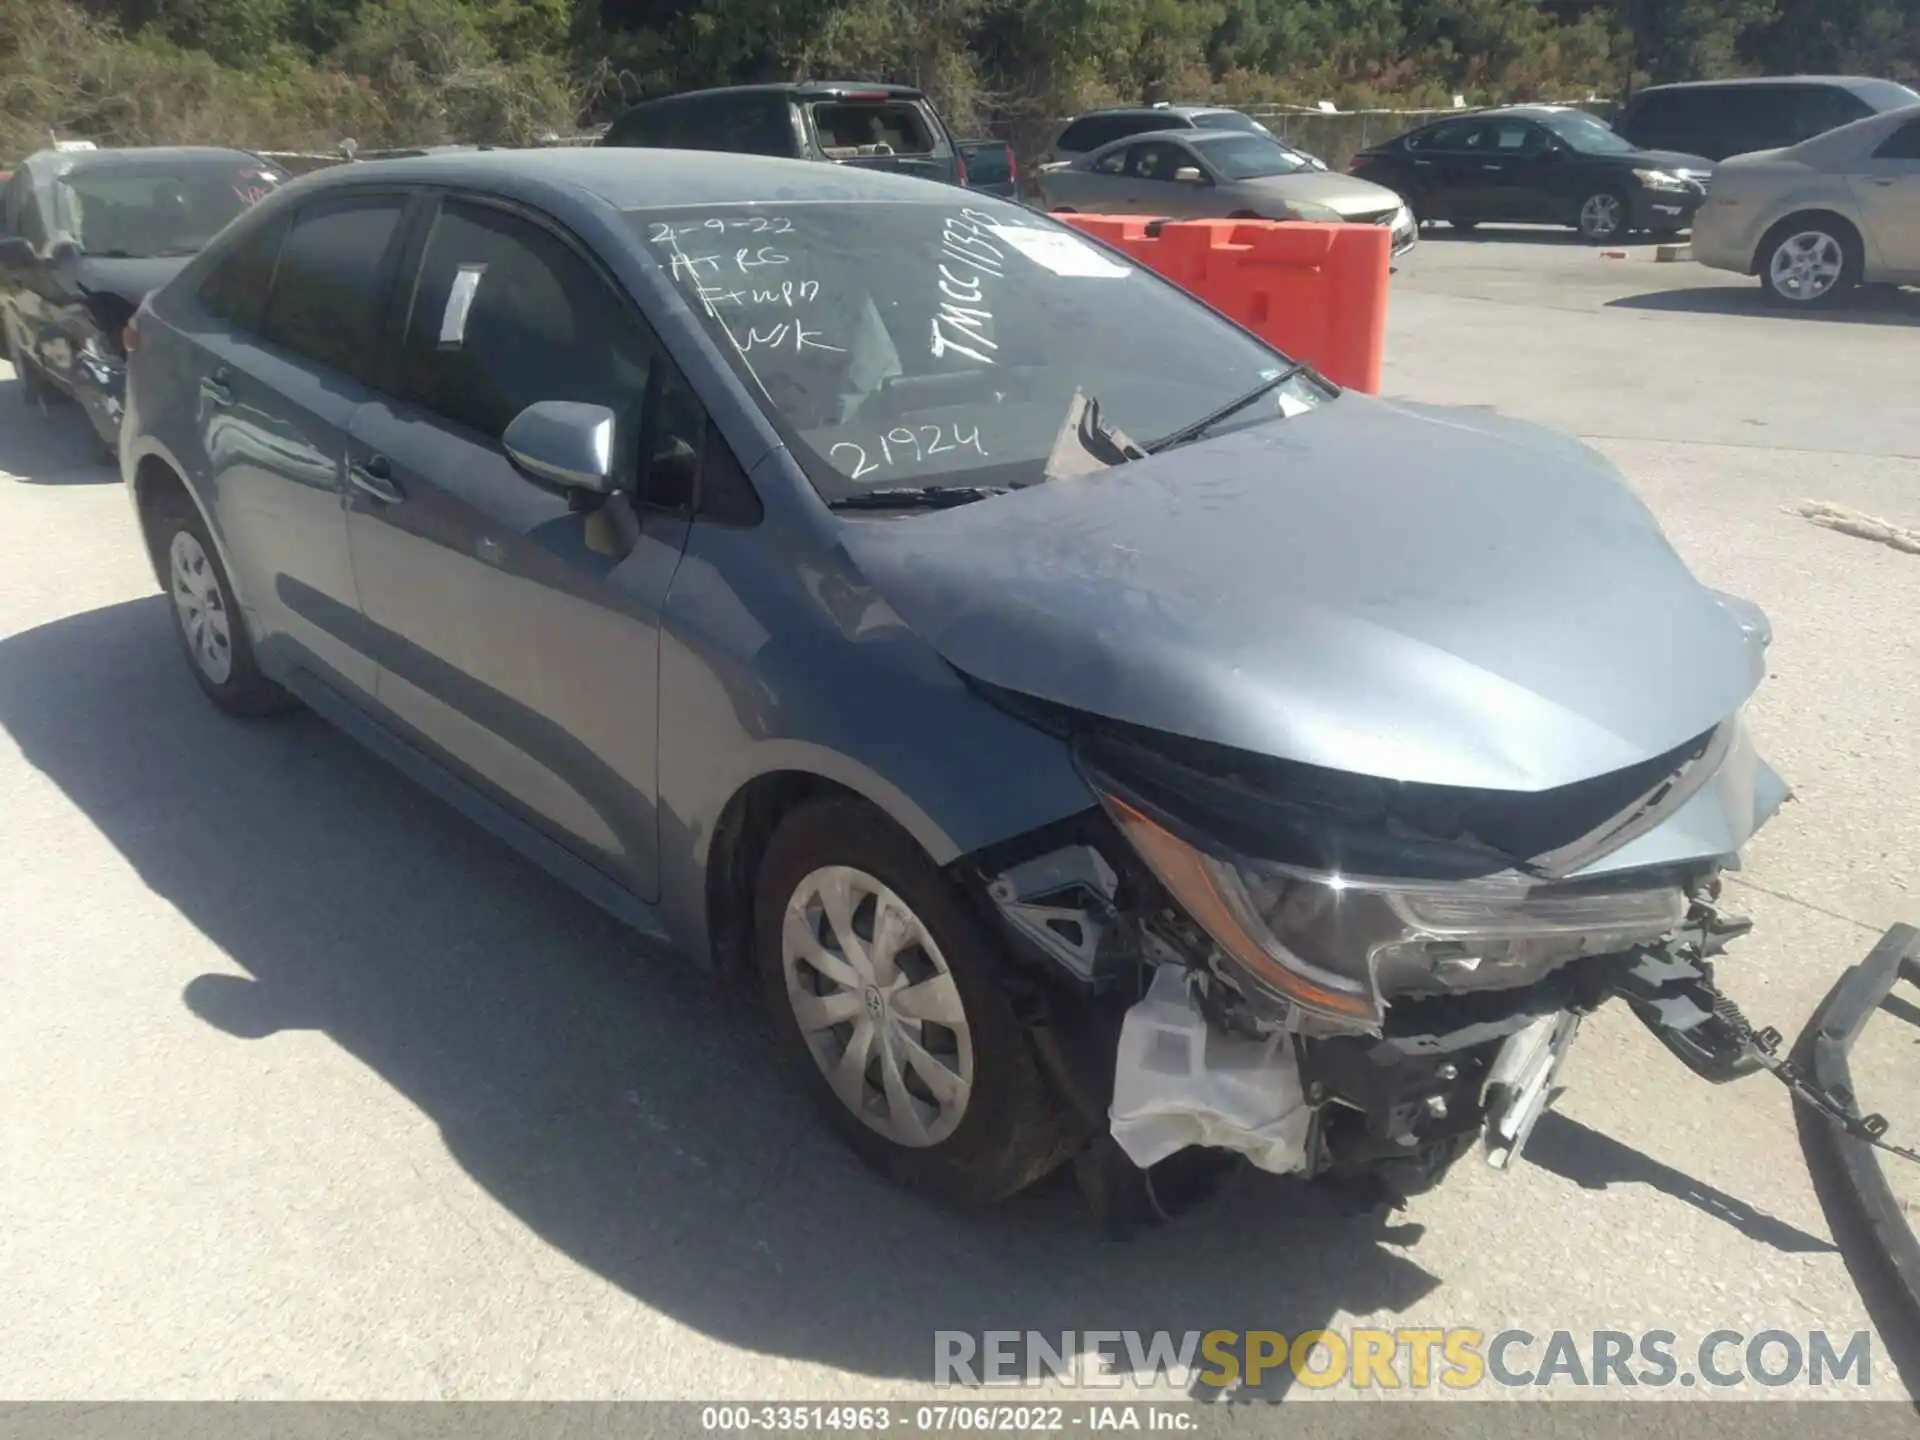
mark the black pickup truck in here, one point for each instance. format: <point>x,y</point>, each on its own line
<point>842,122</point>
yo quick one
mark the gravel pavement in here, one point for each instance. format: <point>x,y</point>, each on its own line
<point>310,1089</point>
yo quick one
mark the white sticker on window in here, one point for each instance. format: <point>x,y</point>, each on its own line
<point>1061,253</point>
<point>453,320</point>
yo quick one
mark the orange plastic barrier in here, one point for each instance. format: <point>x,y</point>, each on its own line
<point>1317,292</point>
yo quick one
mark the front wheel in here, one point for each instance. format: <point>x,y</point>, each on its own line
<point>1603,217</point>
<point>1808,264</point>
<point>885,991</point>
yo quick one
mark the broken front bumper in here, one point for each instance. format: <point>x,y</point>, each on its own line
<point>1871,1212</point>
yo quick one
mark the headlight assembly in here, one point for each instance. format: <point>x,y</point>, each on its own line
<point>1660,180</point>
<point>1336,945</point>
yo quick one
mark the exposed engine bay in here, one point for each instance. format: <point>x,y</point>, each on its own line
<point>1360,980</point>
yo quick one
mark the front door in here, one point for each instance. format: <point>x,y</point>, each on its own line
<point>517,635</point>
<point>1151,188</point>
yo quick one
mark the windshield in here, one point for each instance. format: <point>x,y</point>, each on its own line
<point>1250,157</point>
<point>170,207</point>
<point>950,342</point>
<point>1587,134</point>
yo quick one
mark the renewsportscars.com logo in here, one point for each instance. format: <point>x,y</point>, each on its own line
<point>1410,1358</point>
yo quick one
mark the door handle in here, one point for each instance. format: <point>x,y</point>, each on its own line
<point>215,388</point>
<point>374,475</point>
<point>1493,167</point>
<point>1880,180</point>
<point>1422,164</point>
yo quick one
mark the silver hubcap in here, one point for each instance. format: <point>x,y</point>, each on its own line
<point>203,613</point>
<point>877,1006</point>
<point>1600,216</point>
<point>1807,266</point>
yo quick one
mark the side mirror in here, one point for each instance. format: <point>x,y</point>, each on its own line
<point>16,254</point>
<point>1189,175</point>
<point>564,443</point>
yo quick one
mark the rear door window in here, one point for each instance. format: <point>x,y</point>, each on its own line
<point>329,285</point>
<point>849,129</point>
<point>1903,144</point>
<point>1447,135</point>
<point>1816,109</point>
<point>236,288</point>
<point>1088,133</point>
<point>652,125</point>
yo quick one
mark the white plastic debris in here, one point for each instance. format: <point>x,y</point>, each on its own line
<point>1177,1083</point>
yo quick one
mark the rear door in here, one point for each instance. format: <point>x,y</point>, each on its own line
<point>1513,178</point>
<point>1887,185</point>
<point>875,130</point>
<point>284,366</point>
<point>518,635</point>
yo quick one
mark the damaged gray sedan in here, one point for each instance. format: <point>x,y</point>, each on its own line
<point>1100,738</point>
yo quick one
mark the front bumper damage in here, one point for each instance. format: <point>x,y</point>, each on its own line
<point>1177,1059</point>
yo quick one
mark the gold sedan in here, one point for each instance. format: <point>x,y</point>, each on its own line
<point>1816,219</point>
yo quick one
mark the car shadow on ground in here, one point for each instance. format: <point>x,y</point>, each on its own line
<point>615,1101</point>
<point>57,447</point>
<point>1869,305</point>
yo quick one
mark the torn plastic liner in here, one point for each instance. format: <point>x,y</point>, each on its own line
<point>1178,1083</point>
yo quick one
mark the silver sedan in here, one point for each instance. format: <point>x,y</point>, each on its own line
<point>1817,218</point>
<point>1192,175</point>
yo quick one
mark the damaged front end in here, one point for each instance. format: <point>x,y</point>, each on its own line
<point>1355,979</point>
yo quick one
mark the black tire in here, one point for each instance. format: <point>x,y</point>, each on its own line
<point>243,691</point>
<point>1837,232</point>
<point>1012,1129</point>
<point>1665,236</point>
<point>1464,227</point>
<point>1587,219</point>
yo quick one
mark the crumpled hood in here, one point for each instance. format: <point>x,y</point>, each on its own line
<point>1386,589</point>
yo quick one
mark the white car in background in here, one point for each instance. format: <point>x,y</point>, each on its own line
<point>1816,219</point>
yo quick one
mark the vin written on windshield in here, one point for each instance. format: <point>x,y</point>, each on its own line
<point>927,342</point>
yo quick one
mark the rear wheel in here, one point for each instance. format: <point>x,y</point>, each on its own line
<point>1809,262</point>
<point>1602,218</point>
<point>1465,227</point>
<point>884,989</point>
<point>209,625</point>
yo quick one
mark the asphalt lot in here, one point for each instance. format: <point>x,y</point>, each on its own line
<point>309,1089</point>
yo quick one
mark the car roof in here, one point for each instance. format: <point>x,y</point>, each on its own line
<point>66,162</point>
<point>634,179</point>
<point>1859,84</point>
<point>1183,111</point>
<point>823,89</point>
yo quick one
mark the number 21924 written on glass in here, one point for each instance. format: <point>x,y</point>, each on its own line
<point>908,444</point>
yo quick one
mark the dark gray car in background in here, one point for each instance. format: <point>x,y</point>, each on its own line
<point>1010,668</point>
<point>84,235</point>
